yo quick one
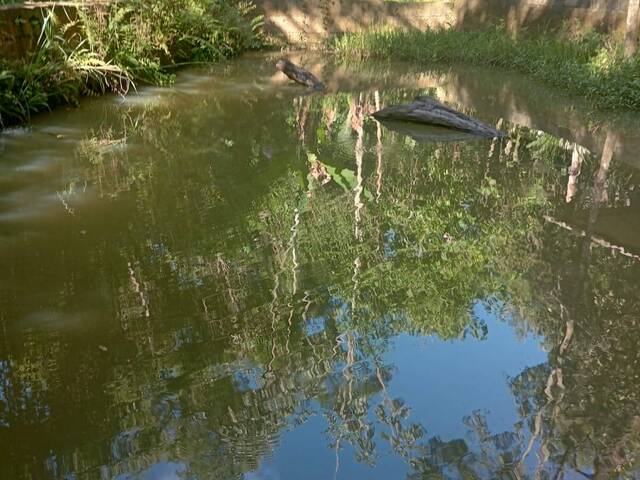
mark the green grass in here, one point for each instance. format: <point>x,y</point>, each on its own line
<point>114,47</point>
<point>588,65</point>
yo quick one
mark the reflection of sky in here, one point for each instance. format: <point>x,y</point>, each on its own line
<point>446,381</point>
<point>442,382</point>
<point>249,379</point>
<point>158,471</point>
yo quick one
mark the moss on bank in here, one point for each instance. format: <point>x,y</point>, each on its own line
<point>113,47</point>
<point>589,65</point>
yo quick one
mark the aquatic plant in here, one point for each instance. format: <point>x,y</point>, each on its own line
<point>589,65</point>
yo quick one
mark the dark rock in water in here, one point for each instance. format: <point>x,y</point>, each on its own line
<point>423,133</point>
<point>426,110</point>
<point>298,74</point>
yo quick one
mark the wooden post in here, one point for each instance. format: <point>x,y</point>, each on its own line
<point>633,23</point>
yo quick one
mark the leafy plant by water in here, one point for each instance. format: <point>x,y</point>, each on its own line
<point>110,47</point>
<point>589,64</point>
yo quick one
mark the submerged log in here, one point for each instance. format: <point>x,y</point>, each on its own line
<point>429,111</point>
<point>423,133</point>
<point>298,74</point>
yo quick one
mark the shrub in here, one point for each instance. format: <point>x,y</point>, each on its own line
<point>109,47</point>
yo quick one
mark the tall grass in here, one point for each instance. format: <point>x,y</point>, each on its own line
<point>589,65</point>
<point>112,47</point>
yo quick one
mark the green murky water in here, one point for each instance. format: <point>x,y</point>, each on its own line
<point>230,279</point>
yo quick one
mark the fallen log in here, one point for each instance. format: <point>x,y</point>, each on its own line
<point>429,111</point>
<point>298,74</point>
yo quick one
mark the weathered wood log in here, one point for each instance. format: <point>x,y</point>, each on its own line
<point>298,74</point>
<point>429,111</point>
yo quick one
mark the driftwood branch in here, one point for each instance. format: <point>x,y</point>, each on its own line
<point>298,74</point>
<point>429,111</point>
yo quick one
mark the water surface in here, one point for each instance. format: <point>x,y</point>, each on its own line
<point>232,279</point>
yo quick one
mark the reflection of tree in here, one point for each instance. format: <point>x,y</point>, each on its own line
<point>572,409</point>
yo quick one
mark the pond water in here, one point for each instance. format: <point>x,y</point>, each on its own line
<point>230,279</point>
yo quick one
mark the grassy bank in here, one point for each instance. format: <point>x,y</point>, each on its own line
<point>112,48</point>
<point>588,65</point>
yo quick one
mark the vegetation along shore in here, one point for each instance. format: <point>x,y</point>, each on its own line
<point>114,47</point>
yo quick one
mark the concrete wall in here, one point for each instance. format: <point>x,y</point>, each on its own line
<point>303,21</point>
<point>20,25</point>
<point>19,30</point>
<point>308,21</point>
<point>604,15</point>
